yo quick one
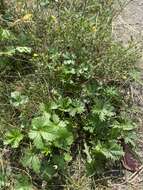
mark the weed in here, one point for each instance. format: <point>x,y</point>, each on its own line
<point>63,76</point>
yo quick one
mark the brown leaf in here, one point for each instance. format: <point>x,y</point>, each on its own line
<point>129,161</point>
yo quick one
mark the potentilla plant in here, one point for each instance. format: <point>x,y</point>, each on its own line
<point>67,92</point>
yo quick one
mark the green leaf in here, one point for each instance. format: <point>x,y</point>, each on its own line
<point>3,179</point>
<point>17,99</point>
<point>37,139</point>
<point>103,110</point>
<point>53,106</point>
<point>47,150</point>
<point>110,150</point>
<point>42,130</point>
<point>67,157</point>
<point>13,138</point>
<point>131,138</point>
<point>125,125</point>
<point>23,49</point>
<point>64,138</point>
<point>41,121</point>
<point>36,164</point>
<point>59,161</point>
<point>76,108</point>
<point>45,131</point>
<point>50,106</point>
<point>22,183</point>
<point>5,34</point>
<point>65,103</point>
<point>32,161</point>
<point>55,118</point>
<point>111,92</point>
<point>48,170</point>
<point>10,51</point>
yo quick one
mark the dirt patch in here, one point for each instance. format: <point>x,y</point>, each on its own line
<point>130,22</point>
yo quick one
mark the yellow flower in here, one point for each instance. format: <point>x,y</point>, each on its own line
<point>124,77</point>
<point>27,17</point>
<point>94,29</point>
<point>35,55</point>
<point>54,18</point>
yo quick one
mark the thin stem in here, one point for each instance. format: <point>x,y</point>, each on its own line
<point>84,8</point>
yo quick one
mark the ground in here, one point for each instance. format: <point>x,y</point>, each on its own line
<point>130,22</point>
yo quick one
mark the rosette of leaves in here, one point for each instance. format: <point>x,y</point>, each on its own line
<point>17,99</point>
<point>50,130</point>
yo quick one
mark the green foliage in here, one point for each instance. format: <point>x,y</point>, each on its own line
<point>11,51</point>
<point>103,110</point>
<point>13,138</point>
<point>49,129</point>
<point>23,49</point>
<point>17,99</point>
<point>31,160</point>
<point>2,179</point>
<point>110,150</point>
<point>5,34</point>
<point>23,183</point>
<point>62,89</point>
